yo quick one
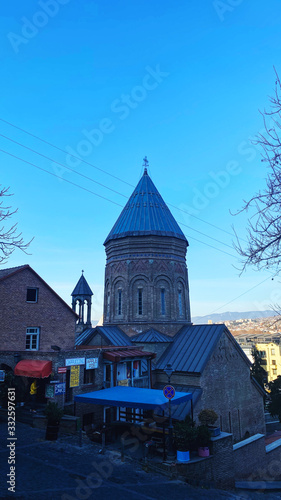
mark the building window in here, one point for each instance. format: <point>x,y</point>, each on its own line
<point>262,354</point>
<point>274,371</point>
<point>273,361</point>
<point>32,339</point>
<point>163,308</point>
<point>273,352</point>
<point>108,303</point>
<point>32,295</point>
<point>89,376</point>
<point>119,302</point>
<point>140,308</point>
<point>180,302</point>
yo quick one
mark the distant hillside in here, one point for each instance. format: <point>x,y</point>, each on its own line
<point>232,316</point>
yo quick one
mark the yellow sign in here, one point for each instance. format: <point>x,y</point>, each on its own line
<point>74,376</point>
<point>123,382</point>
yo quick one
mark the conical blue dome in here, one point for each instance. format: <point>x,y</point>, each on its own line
<point>145,214</point>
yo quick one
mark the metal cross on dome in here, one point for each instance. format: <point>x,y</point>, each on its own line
<point>145,164</point>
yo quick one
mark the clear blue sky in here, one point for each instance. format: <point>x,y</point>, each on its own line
<point>180,82</point>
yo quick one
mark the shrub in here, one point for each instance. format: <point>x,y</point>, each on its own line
<point>208,416</point>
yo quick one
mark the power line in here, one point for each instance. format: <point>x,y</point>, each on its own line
<point>55,175</point>
<point>64,166</point>
<point>96,194</point>
<point>107,173</point>
<point>64,151</point>
<point>100,184</point>
<point>241,295</point>
<point>200,232</point>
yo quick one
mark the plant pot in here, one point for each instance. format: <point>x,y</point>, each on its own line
<point>52,432</point>
<point>215,431</point>
<point>183,456</point>
<point>203,451</point>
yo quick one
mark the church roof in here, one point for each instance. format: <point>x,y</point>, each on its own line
<point>191,348</point>
<point>151,336</point>
<point>145,214</point>
<point>111,334</point>
<point>82,287</point>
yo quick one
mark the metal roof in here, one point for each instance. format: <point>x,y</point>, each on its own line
<point>145,213</point>
<point>151,336</point>
<point>180,412</point>
<point>82,287</point>
<point>116,356</point>
<point>112,334</point>
<point>191,348</point>
<point>131,397</point>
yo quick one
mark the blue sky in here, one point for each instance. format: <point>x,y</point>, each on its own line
<point>114,81</point>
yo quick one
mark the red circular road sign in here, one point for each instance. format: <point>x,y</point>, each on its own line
<point>169,391</point>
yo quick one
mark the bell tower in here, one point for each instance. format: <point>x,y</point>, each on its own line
<point>82,296</point>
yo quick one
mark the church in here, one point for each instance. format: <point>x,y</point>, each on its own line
<point>147,310</point>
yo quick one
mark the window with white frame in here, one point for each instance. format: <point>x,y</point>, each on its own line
<point>32,339</point>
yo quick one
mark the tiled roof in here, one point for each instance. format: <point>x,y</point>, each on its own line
<point>151,336</point>
<point>82,287</point>
<point>112,334</point>
<point>145,213</point>
<point>191,348</point>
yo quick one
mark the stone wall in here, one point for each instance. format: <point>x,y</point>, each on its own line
<point>249,456</point>
<point>229,390</point>
<point>50,314</point>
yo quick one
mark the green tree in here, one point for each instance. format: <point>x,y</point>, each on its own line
<point>274,406</point>
<point>257,371</point>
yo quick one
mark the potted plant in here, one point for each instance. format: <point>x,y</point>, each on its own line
<point>203,440</point>
<point>208,417</point>
<point>185,439</point>
<point>54,414</point>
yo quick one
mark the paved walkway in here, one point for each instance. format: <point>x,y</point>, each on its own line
<point>63,470</point>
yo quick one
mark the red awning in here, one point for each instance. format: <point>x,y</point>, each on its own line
<point>117,356</point>
<point>33,368</point>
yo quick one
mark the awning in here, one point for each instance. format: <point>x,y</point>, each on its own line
<point>117,356</point>
<point>33,368</point>
<point>131,397</point>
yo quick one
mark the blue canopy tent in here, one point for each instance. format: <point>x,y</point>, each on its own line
<point>132,397</point>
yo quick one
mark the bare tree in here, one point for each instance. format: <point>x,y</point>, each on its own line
<point>263,248</point>
<point>10,238</point>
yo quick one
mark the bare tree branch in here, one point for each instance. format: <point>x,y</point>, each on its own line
<point>263,247</point>
<point>10,238</point>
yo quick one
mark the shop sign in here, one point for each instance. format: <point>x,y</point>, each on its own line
<point>92,363</point>
<point>62,369</point>
<point>49,391</point>
<point>2,375</point>
<point>54,381</point>
<point>74,376</point>
<point>60,389</point>
<point>74,361</point>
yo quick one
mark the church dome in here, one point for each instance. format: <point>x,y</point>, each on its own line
<point>145,214</point>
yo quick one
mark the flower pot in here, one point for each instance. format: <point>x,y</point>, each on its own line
<point>52,432</point>
<point>203,451</point>
<point>215,431</point>
<point>183,456</point>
